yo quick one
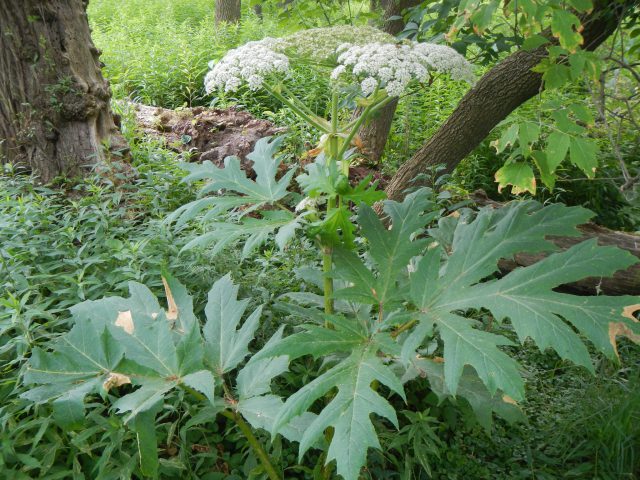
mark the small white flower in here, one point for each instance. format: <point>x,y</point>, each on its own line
<point>339,70</point>
<point>307,203</point>
<point>368,86</point>
<point>393,66</point>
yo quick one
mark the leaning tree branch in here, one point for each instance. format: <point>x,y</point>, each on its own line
<point>498,93</point>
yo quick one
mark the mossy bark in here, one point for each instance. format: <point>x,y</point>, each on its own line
<point>54,102</point>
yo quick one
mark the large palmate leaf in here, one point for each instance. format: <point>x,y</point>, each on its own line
<point>349,411</point>
<point>525,296</point>
<point>264,190</point>
<point>233,189</point>
<point>110,330</point>
<point>117,341</point>
<point>422,288</point>
<point>391,250</point>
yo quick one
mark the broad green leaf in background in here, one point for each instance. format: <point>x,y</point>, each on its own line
<point>584,154</point>
<point>517,174</point>
<point>557,148</point>
<point>470,388</point>
<point>564,25</point>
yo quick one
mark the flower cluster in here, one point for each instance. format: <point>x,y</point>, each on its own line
<point>393,66</point>
<point>373,58</point>
<point>250,63</point>
<point>319,44</point>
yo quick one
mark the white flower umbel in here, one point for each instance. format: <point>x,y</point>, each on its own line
<point>250,63</point>
<point>320,44</point>
<point>393,66</point>
<point>445,59</point>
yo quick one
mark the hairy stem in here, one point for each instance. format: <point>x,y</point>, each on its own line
<point>327,282</point>
<point>254,442</point>
<point>311,119</point>
<point>246,431</point>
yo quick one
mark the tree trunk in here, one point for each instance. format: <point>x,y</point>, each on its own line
<point>54,102</point>
<point>624,282</point>
<point>394,8</point>
<point>227,11</point>
<point>375,133</point>
<point>498,93</point>
<point>257,8</point>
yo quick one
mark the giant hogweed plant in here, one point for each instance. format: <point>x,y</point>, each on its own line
<point>393,309</point>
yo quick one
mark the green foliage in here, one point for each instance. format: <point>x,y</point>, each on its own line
<point>411,303</point>
<point>447,280</point>
<point>117,341</point>
<point>263,193</point>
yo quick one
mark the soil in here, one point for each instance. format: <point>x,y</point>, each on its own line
<point>206,133</point>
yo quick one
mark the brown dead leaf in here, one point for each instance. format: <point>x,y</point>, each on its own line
<point>630,310</point>
<point>618,329</point>
<point>172,308</point>
<point>314,152</point>
<point>358,143</point>
<point>125,320</point>
<point>115,380</point>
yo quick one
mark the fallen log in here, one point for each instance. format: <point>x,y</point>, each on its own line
<point>624,282</point>
<point>206,133</point>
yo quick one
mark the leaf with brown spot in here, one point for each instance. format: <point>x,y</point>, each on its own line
<point>629,311</point>
<point>172,308</point>
<point>115,380</point>
<point>125,321</point>
<point>617,329</point>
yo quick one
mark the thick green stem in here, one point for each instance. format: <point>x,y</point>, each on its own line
<point>246,431</point>
<point>366,113</point>
<point>328,281</point>
<point>255,444</point>
<point>310,118</point>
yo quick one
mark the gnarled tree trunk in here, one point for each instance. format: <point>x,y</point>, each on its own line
<point>498,93</point>
<point>227,11</point>
<point>54,101</point>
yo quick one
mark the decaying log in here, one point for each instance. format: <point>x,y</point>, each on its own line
<point>207,133</point>
<point>624,282</point>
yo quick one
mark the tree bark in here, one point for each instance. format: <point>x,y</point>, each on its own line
<point>624,282</point>
<point>375,133</point>
<point>227,11</point>
<point>498,93</point>
<point>54,101</point>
